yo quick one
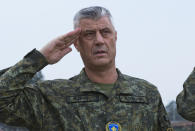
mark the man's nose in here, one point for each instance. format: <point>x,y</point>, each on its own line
<point>99,38</point>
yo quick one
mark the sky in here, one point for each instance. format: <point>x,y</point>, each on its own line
<point>156,38</point>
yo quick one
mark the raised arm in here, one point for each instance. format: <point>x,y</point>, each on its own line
<point>18,100</point>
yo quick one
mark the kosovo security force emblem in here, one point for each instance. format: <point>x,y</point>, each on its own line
<point>113,126</point>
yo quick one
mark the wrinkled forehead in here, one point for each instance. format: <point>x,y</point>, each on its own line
<point>97,24</point>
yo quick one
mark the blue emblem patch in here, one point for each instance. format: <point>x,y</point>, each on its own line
<point>113,126</point>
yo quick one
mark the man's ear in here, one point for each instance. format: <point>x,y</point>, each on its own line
<point>76,45</point>
<point>115,35</point>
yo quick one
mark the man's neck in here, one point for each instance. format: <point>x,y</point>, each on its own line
<point>106,76</point>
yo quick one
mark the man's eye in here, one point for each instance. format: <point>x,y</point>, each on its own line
<point>105,33</point>
<point>89,35</point>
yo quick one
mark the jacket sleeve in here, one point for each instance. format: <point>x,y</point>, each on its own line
<point>20,103</point>
<point>163,119</point>
<point>4,70</point>
<point>186,99</point>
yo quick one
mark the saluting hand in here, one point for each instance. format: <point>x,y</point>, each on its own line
<point>59,47</point>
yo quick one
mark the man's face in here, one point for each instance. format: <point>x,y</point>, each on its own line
<point>97,42</point>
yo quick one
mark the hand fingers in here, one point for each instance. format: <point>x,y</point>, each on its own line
<point>71,42</point>
<point>67,38</point>
<point>62,46</point>
<point>66,51</point>
<point>76,31</point>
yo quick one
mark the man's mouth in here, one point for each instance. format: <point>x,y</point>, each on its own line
<point>100,53</point>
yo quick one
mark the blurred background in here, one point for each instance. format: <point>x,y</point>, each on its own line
<point>155,38</point>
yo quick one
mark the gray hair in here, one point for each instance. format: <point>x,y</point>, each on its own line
<point>93,12</point>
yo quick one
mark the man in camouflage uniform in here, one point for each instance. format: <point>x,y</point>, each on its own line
<point>186,99</point>
<point>100,98</point>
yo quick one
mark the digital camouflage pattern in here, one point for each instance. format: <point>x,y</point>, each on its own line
<point>37,77</point>
<point>77,104</point>
<point>186,99</point>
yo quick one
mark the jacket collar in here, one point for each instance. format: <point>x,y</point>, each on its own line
<point>123,85</point>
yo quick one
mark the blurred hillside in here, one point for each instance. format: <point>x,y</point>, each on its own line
<point>177,122</point>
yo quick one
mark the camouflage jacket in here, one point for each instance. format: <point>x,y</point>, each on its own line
<point>186,99</point>
<point>77,104</point>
